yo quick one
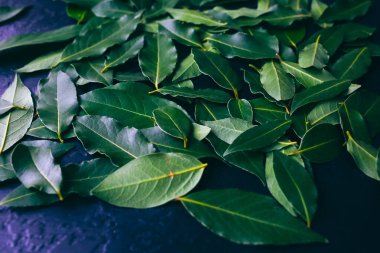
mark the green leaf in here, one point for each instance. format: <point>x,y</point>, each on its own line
<point>228,129</point>
<point>242,12</point>
<point>187,69</point>
<point>219,69</point>
<point>291,185</point>
<point>318,8</point>
<point>77,13</point>
<point>166,143</point>
<point>210,111</point>
<point>212,95</point>
<point>252,162</point>
<point>158,58</point>
<point>276,81</point>
<point>5,106</point>
<point>57,103</point>
<point>151,180</point>
<point>240,108</point>
<point>307,77</point>
<point>15,123</point>
<point>133,110</point>
<point>291,36</point>
<point>321,143</point>
<point>92,72</point>
<point>314,55</point>
<point>264,111</point>
<point>123,53</point>
<point>284,17</point>
<point>107,136</point>
<point>353,64</point>
<point>354,31</point>
<point>352,121</point>
<point>255,86</point>
<point>59,35</point>
<point>247,218</point>
<point>57,149</point>
<point>258,137</point>
<point>97,41</point>
<point>39,130</point>
<point>324,112</point>
<point>194,17</point>
<point>365,156</point>
<point>346,10</point>
<point>173,122</point>
<point>241,45</point>
<point>24,197</point>
<point>35,168</point>
<point>7,12</point>
<point>323,91</point>
<point>112,9</point>
<point>43,62</point>
<point>82,178</point>
<point>6,170</point>
<point>182,33</point>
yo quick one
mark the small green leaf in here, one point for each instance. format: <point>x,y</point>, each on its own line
<point>151,180</point>
<point>240,108</point>
<point>57,103</point>
<point>183,33</point>
<point>107,136</point>
<point>24,197</point>
<point>319,92</point>
<point>194,17</point>
<point>258,137</point>
<point>324,112</point>
<point>187,69</point>
<point>265,111</point>
<point>314,55</point>
<point>35,168</point>
<point>92,72</point>
<point>173,122</point>
<point>276,81</point>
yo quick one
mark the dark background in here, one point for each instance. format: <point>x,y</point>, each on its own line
<point>348,213</point>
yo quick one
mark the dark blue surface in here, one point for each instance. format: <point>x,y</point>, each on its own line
<point>348,213</point>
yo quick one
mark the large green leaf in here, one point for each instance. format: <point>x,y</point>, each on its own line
<point>82,178</point>
<point>314,55</point>
<point>319,92</point>
<point>290,182</point>
<point>276,81</point>
<point>194,17</point>
<point>241,45</point>
<point>35,168</point>
<point>7,12</point>
<point>15,123</point>
<point>123,53</point>
<point>107,136</point>
<point>212,95</point>
<point>24,197</point>
<point>57,103</point>
<point>96,42</point>
<point>173,122</point>
<point>353,64</point>
<point>321,143</point>
<point>307,77</point>
<point>58,35</point>
<point>166,143</point>
<point>258,137</point>
<point>151,180</point>
<point>240,108</point>
<point>158,58</point>
<point>365,156</point>
<point>219,69</point>
<point>183,33</point>
<point>247,218</point>
<point>228,129</point>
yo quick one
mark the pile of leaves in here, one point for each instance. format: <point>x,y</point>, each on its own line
<point>150,88</point>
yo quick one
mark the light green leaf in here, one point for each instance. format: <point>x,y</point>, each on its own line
<point>314,55</point>
<point>240,108</point>
<point>228,129</point>
<point>43,62</point>
<point>194,17</point>
<point>151,180</point>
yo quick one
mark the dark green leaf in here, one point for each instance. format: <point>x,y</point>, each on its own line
<point>346,10</point>
<point>352,121</point>
<point>212,95</point>
<point>258,137</point>
<point>182,33</point>
<point>324,112</point>
<point>39,130</point>
<point>92,72</point>
<point>265,111</point>
<point>240,108</point>
<point>24,197</point>
<point>43,62</point>
<point>314,55</point>
<point>112,9</point>
<point>247,218</point>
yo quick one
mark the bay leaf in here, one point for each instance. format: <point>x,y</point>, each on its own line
<point>182,33</point>
<point>194,17</point>
<point>24,197</point>
<point>240,108</point>
<point>228,129</point>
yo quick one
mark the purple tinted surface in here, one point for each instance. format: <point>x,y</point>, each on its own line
<point>348,213</point>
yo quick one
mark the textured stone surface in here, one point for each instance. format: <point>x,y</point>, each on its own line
<point>348,211</point>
